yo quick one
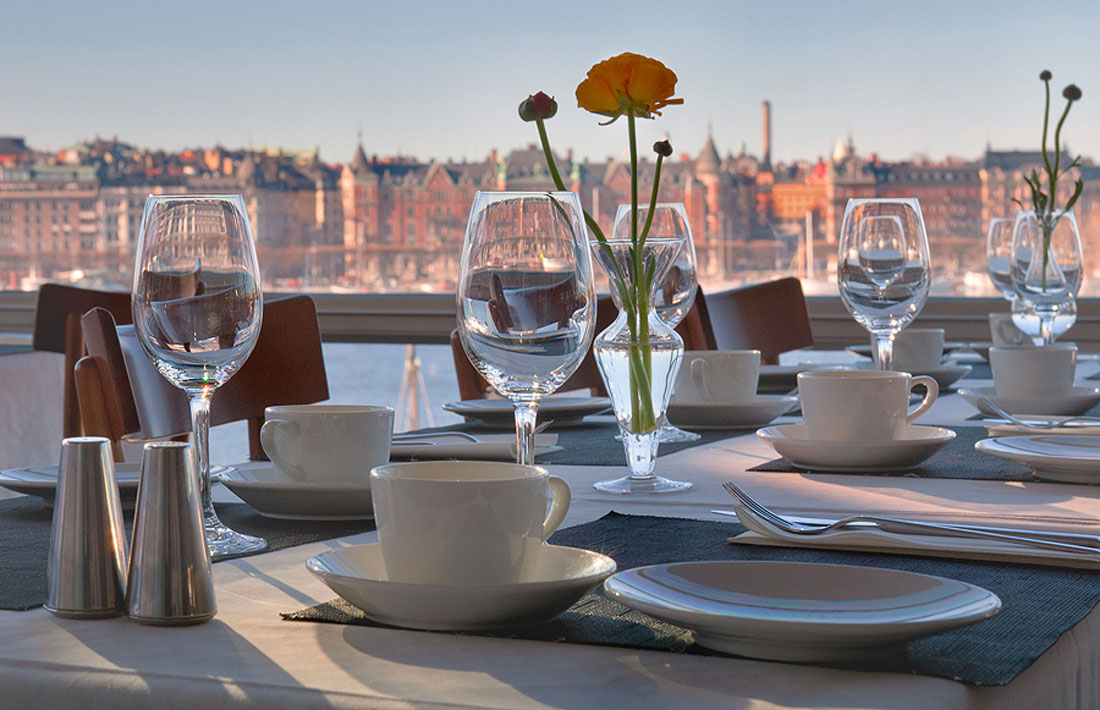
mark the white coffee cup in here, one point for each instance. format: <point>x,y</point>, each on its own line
<point>727,376</point>
<point>327,443</point>
<point>860,405</point>
<point>1027,371</point>
<point>916,349</point>
<point>465,522</point>
<point>1003,332</point>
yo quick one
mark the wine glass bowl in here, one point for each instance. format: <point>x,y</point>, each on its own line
<point>526,301</point>
<point>998,254</point>
<point>883,267</point>
<point>1046,264</point>
<point>197,307</point>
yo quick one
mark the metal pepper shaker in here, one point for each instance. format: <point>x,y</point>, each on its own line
<point>86,572</point>
<point>170,582</point>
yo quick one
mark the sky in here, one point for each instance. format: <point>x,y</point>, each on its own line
<point>437,79</point>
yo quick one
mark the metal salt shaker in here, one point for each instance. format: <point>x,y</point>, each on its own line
<point>86,572</point>
<point>170,582</point>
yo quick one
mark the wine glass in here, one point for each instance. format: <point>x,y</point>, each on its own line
<point>1046,264</point>
<point>197,308</point>
<point>526,299</point>
<point>676,291</point>
<point>1027,320</point>
<point>998,255</point>
<point>883,268</point>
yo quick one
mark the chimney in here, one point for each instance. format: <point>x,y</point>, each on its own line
<point>767,116</point>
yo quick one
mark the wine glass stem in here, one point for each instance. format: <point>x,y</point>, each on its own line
<point>884,350</point>
<point>526,414</point>
<point>200,431</point>
<point>1046,327</point>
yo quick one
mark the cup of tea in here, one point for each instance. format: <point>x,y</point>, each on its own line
<point>917,349</point>
<point>327,443</point>
<point>1027,371</point>
<point>465,522</point>
<point>861,405</point>
<point>727,376</point>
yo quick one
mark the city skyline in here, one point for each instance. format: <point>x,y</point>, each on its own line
<point>441,81</point>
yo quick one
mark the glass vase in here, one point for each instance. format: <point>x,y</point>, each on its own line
<point>1046,264</point>
<point>638,356</point>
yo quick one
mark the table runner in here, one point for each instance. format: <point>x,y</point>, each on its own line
<point>956,460</point>
<point>25,542</point>
<point>1039,603</point>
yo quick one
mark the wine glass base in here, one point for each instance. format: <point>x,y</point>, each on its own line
<point>223,542</point>
<point>635,486</point>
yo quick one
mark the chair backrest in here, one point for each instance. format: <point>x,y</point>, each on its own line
<point>123,396</point>
<point>770,317</point>
<point>57,329</point>
<point>694,329</point>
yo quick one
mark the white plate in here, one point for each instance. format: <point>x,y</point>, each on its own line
<point>41,481</point>
<point>721,415</point>
<point>864,349</point>
<point>915,444</point>
<point>1079,401</point>
<point>1057,457</point>
<point>487,447</point>
<point>793,611</point>
<point>275,495</point>
<point>500,412</point>
<point>562,576</point>
<point>780,379</point>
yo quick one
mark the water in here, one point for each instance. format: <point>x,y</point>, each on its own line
<point>537,362</point>
<point>362,373</point>
<point>616,367</point>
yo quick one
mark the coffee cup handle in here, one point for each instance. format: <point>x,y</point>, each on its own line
<point>933,391</point>
<point>559,505</point>
<point>267,440</point>
<point>698,378</point>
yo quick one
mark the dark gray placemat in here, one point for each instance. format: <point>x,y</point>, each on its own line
<point>25,542</point>
<point>15,349</point>
<point>1094,412</point>
<point>1039,603</point>
<point>978,371</point>
<point>595,444</point>
<point>956,460</point>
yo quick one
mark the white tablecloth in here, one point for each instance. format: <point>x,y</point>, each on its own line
<point>248,657</point>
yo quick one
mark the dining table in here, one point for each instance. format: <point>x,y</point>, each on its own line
<point>250,656</point>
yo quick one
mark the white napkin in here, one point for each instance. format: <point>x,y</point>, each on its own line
<point>1001,427</point>
<point>488,447</point>
<point>871,540</point>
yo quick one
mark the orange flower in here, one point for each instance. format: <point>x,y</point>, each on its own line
<point>628,82</point>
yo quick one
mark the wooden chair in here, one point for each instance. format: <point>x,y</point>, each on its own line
<point>694,329</point>
<point>123,397</point>
<point>57,329</point>
<point>770,317</point>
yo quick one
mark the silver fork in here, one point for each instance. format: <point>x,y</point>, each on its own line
<point>767,516</point>
<point>1021,422</point>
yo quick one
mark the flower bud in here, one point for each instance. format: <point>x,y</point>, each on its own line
<point>538,106</point>
<point>1045,75</point>
<point>1071,92</point>
<point>663,148</point>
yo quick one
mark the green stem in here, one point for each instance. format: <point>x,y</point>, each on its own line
<point>1046,121</point>
<point>653,197</point>
<point>554,174</point>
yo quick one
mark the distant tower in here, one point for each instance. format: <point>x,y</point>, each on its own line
<point>767,116</point>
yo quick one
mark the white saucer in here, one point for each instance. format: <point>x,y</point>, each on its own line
<point>795,611</point>
<point>1057,457</point>
<point>865,350</point>
<point>1079,401</point>
<point>275,495</point>
<point>722,415</point>
<point>915,445</point>
<point>41,481</point>
<point>562,576</point>
<point>981,348</point>
<point>501,413</point>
